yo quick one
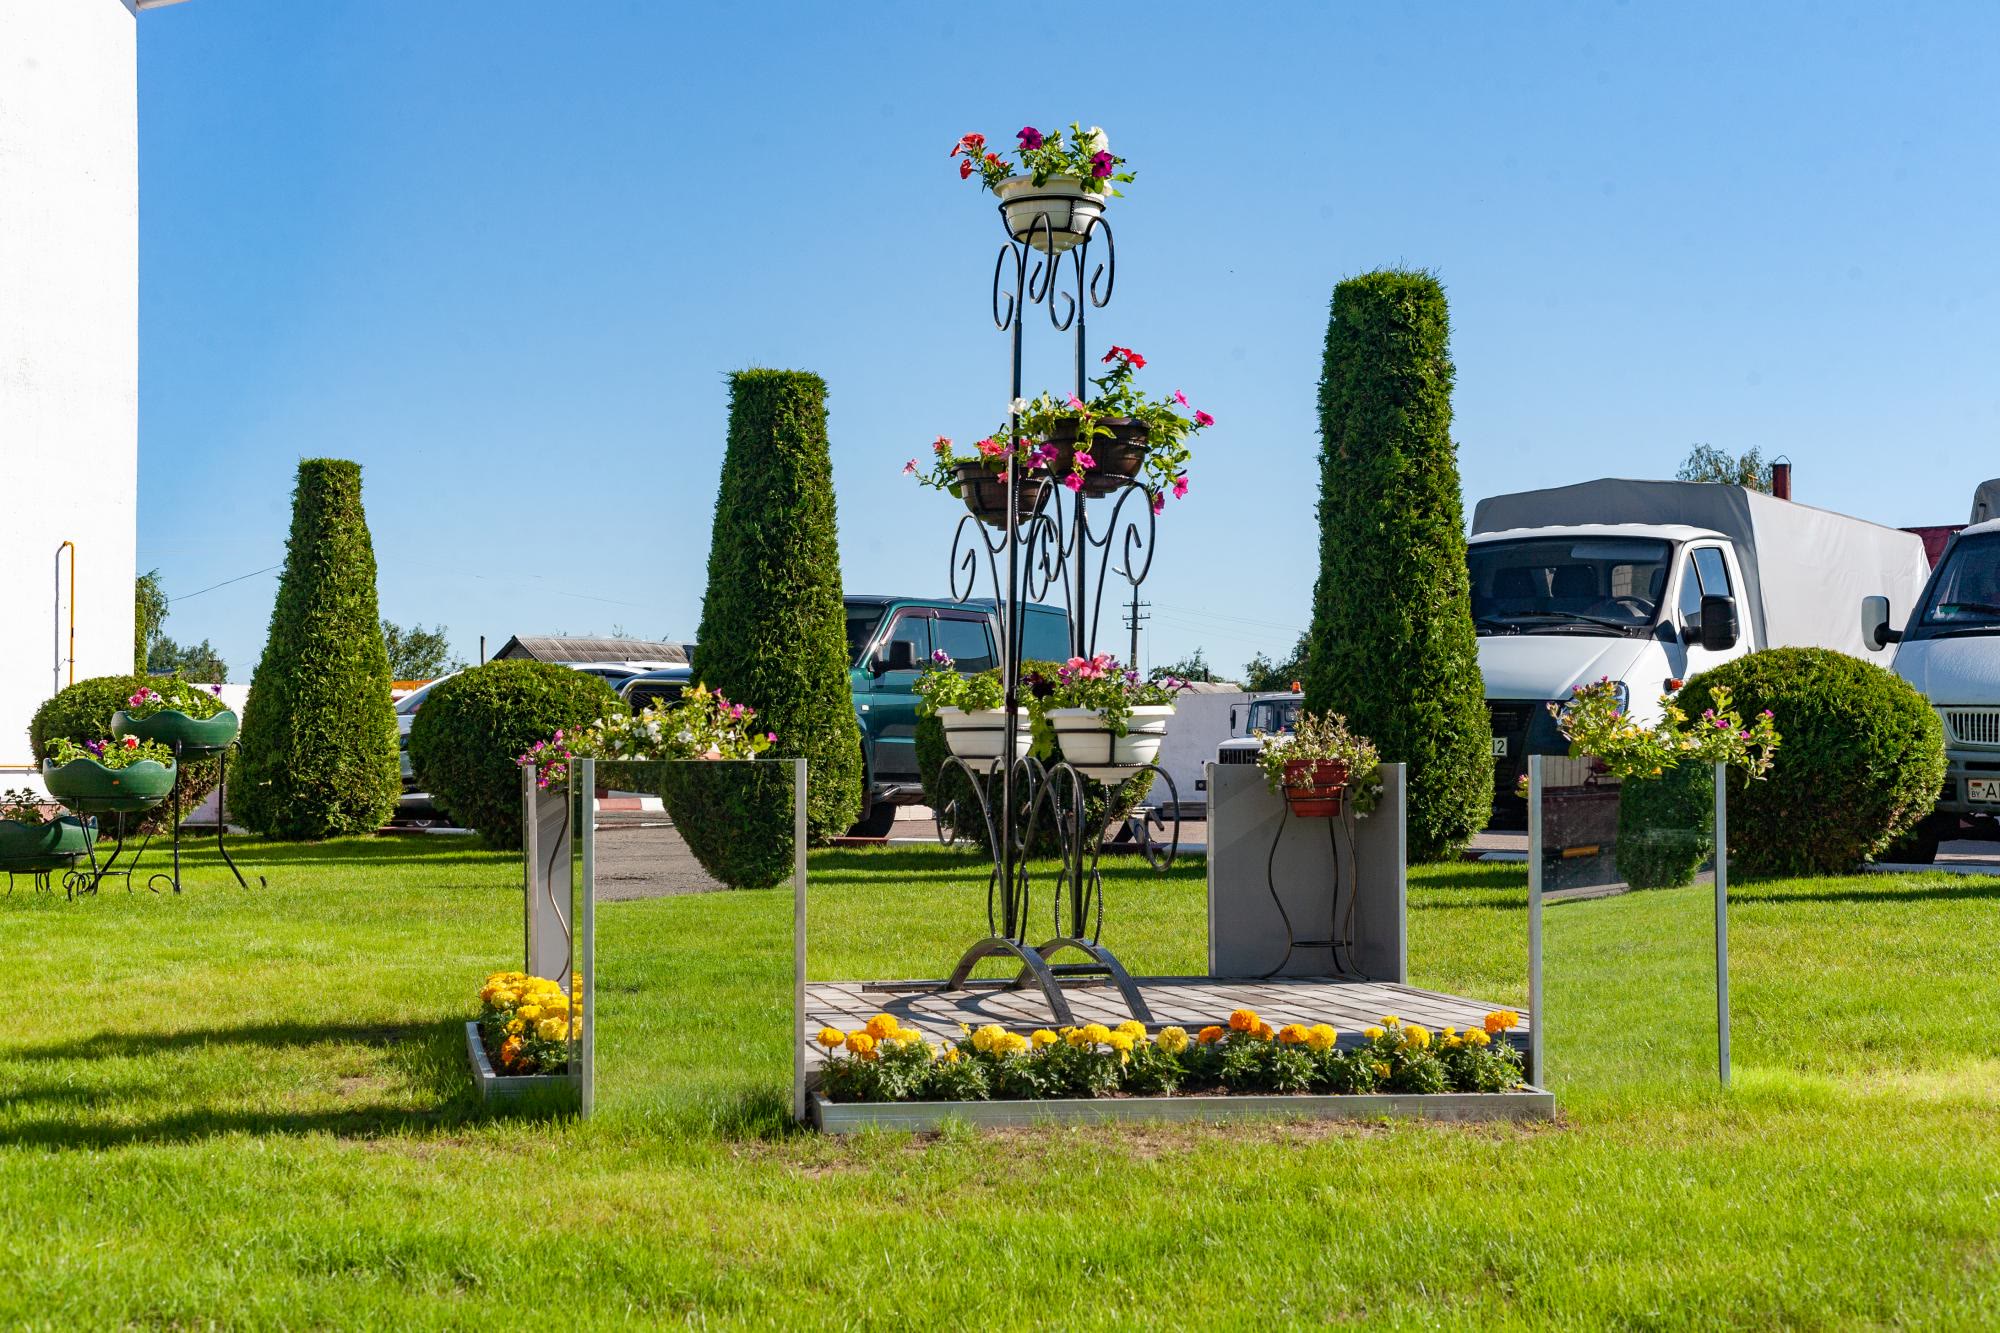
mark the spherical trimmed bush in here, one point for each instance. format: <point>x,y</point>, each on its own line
<point>472,726</point>
<point>1860,762</point>
<point>736,817</point>
<point>82,712</point>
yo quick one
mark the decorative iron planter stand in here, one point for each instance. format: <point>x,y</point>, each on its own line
<point>190,738</point>
<point>39,850</point>
<point>88,788</point>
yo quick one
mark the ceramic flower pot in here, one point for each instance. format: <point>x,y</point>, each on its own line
<point>1052,216</point>
<point>25,848</point>
<point>985,493</point>
<point>979,737</point>
<point>89,788</point>
<point>1313,787</point>
<point>1088,744</point>
<point>198,736</point>
<point>1114,459</point>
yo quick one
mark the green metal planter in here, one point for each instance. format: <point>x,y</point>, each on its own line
<point>198,737</point>
<point>89,788</point>
<point>26,848</point>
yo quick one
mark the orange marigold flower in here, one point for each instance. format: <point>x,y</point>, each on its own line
<point>1292,1034</point>
<point>1265,1031</point>
<point>1502,1019</point>
<point>1208,1034</point>
<point>1243,1020</point>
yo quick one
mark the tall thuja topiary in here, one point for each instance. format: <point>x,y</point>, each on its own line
<point>773,628</point>
<point>319,735</point>
<point>1392,646</point>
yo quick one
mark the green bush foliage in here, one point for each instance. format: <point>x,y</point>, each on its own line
<point>1861,761</point>
<point>773,628</point>
<point>82,712</point>
<point>1666,826</point>
<point>319,733</point>
<point>948,791</point>
<point>736,817</point>
<point>1391,644</point>
<point>464,740</point>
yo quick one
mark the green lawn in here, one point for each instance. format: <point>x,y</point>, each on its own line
<point>251,1108</point>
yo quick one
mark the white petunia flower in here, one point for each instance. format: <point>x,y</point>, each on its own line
<point>1018,407</point>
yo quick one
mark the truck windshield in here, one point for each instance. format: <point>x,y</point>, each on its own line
<point>1273,715</point>
<point>1570,585</point>
<point>1966,592</point>
<point>861,622</point>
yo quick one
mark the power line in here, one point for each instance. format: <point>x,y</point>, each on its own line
<point>225,583</point>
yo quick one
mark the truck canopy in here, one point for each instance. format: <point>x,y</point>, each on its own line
<point>1805,569</point>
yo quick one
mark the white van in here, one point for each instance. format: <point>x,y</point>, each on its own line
<point>1647,583</point>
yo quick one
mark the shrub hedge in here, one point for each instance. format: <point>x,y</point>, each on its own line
<point>1391,643</point>
<point>82,712</point>
<point>1666,826</point>
<point>736,818</point>
<point>318,752</point>
<point>773,626</point>
<point>464,739</point>
<point>1861,761</point>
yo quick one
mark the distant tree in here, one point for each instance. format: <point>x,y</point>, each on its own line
<point>197,661</point>
<point>1262,675</point>
<point>1192,667</point>
<point>1705,462</point>
<point>149,612</point>
<point>417,653</point>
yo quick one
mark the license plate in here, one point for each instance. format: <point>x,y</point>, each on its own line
<point>1500,750</point>
<point>1983,789</point>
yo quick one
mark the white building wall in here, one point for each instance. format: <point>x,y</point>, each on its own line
<point>69,355</point>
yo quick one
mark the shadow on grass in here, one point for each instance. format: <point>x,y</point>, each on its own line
<point>123,1045</point>
<point>1958,888</point>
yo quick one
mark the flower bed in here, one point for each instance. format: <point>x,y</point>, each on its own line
<point>527,1025</point>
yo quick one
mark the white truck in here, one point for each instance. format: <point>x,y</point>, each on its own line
<point>1949,649</point>
<point>1651,582</point>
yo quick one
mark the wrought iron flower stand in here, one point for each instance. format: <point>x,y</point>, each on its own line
<point>1053,537</point>
<point>184,751</point>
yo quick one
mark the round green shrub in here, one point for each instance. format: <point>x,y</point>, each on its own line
<point>736,818</point>
<point>1666,826</point>
<point>82,712</point>
<point>1860,762</point>
<point>465,738</point>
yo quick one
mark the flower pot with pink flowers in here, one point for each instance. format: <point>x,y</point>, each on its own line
<point>971,709</point>
<point>119,776</point>
<point>1054,191</point>
<point>183,717</point>
<point>1109,723</point>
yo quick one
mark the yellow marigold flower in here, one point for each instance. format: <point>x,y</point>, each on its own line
<point>950,1054</point>
<point>1044,1037</point>
<point>1132,1028</point>
<point>552,1029</point>
<point>907,1037</point>
<point>860,1043</point>
<point>1292,1034</point>
<point>1371,1033</point>
<point>1243,1020</point>
<point>1119,1041</point>
<point>1478,1037</point>
<point>830,1037</point>
<point>1417,1035</point>
<point>987,1037</point>
<point>1265,1031</point>
<point>1453,1043</point>
<point>1075,1037</point>
<point>1502,1019</point>
<point>1011,1043</point>
<point>530,1011</point>
<point>514,1025</point>
<point>1381,1070</point>
<point>1173,1040</point>
<point>1322,1037</point>
<point>882,1026</point>
<point>1209,1034</point>
<point>1449,1033</point>
<point>1390,1020</point>
<point>1096,1033</point>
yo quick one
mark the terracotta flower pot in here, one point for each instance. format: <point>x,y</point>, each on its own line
<point>1313,787</point>
<point>1114,458</point>
<point>1052,216</point>
<point>198,736</point>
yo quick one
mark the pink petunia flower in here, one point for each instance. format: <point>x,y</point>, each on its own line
<point>1074,403</point>
<point>1100,165</point>
<point>1073,481</point>
<point>910,468</point>
<point>1181,487</point>
<point>1203,419</point>
<point>1030,137</point>
<point>1159,503</point>
<point>1085,461</point>
<point>1180,398</point>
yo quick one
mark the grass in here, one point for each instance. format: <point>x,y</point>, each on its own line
<point>251,1108</point>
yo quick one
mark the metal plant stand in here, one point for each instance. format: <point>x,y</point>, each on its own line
<point>1340,935</point>
<point>1053,538</point>
<point>160,878</point>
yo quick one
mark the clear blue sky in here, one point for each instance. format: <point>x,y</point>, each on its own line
<point>504,254</point>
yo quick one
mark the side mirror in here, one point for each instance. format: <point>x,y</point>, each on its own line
<point>1233,723</point>
<point>1876,630</point>
<point>1718,623</point>
<point>899,655</point>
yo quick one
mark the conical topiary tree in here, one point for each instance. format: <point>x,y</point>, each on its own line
<point>319,736</point>
<point>1392,646</point>
<point>773,628</point>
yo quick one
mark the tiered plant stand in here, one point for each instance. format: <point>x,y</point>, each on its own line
<point>40,850</point>
<point>87,788</point>
<point>190,738</point>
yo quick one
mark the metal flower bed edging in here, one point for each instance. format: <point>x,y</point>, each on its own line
<point>1524,1103</point>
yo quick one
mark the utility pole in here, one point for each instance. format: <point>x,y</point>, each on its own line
<point>1135,617</point>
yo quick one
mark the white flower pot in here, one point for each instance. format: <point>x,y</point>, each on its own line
<point>1071,210</point>
<point>981,737</point>
<point>1087,743</point>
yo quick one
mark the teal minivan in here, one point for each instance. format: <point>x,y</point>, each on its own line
<point>889,641</point>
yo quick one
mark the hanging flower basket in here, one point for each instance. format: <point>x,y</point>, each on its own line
<point>1114,458</point>
<point>1313,787</point>
<point>55,845</point>
<point>1070,211</point>
<point>980,736</point>
<point>985,493</point>
<point>196,736</point>
<point>1089,744</point>
<point>89,788</point>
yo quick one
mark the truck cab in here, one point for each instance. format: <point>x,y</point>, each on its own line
<point>1269,713</point>
<point>1949,649</point>
<point>890,641</point>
